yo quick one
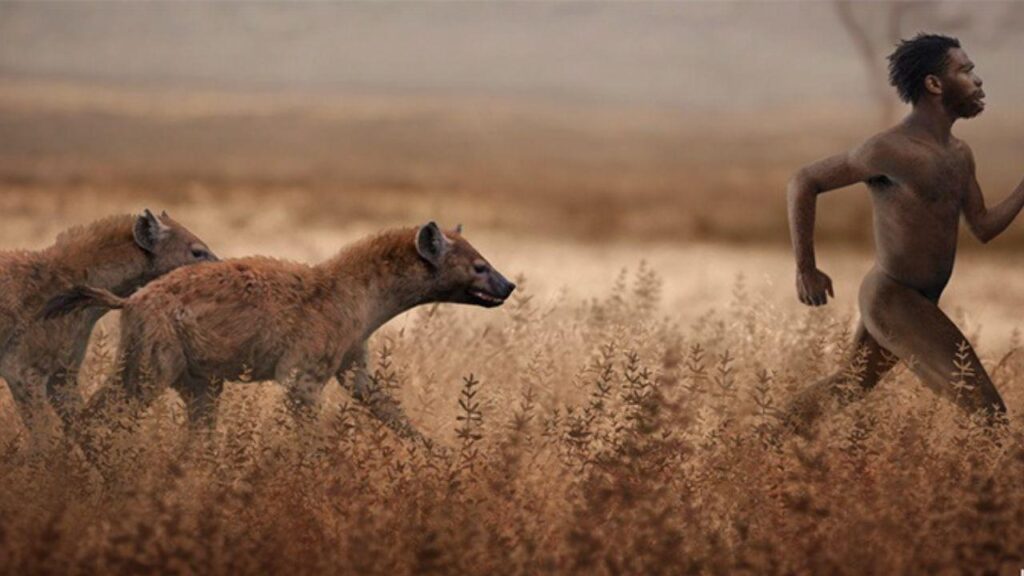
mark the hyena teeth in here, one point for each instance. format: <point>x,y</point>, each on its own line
<point>485,296</point>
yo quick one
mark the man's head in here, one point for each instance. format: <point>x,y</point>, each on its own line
<point>935,66</point>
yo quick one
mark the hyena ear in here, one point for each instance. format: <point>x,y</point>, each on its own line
<point>431,244</point>
<point>458,228</point>
<point>148,231</point>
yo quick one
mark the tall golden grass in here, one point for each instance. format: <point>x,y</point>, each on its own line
<point>586,431</point>
<point>584,436</point>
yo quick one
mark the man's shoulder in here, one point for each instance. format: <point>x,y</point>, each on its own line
<point>962,148</point>
<point>891,141</point>
<point>883,148</point>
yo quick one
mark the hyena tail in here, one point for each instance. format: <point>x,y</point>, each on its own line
<point>80,298</point>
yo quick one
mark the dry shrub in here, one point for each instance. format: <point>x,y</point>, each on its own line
<point>579,437</point>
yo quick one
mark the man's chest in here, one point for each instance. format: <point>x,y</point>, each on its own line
<point>937,178</point>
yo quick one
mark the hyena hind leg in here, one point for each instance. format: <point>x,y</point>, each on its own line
<point>144,373</point>
<point>202,400</point>
<point>30,402</point>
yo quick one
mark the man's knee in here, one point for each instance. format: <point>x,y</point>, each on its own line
<point>988,398</point>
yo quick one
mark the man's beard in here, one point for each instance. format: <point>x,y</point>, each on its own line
<point>962,105</point>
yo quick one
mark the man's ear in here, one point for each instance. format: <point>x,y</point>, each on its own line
<point>431,244</point>
<point>148,231</point>
<point>933,84</point>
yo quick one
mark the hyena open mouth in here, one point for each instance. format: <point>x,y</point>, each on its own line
<point>486,297</point>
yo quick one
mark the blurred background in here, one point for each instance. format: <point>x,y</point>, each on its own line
<point>571,139</point>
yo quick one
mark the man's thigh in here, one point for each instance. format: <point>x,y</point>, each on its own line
<point>913,327</point>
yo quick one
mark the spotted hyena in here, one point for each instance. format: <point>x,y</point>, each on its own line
<point>39,358</point>
<point>285,321</point>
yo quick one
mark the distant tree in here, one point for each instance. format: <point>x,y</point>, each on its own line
<point>876,27</point>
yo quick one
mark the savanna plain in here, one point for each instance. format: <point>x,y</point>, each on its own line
<point>617,415</point>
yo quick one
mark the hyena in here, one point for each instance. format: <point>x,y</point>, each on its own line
<point>269,319</point>
<point>39,359</point>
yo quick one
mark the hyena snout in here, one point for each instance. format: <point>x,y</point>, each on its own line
<point>503,286</point>
<point>492,291</point>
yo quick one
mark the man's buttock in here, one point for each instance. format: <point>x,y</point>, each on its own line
<point>926,272</point>
<point>878,280</point>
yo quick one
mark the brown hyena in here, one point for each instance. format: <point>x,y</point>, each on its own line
<point>274,320</point>
<point>39,358</point>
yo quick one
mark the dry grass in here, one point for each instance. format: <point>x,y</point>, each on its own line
<point>586,436</point>
<point>596,425</point>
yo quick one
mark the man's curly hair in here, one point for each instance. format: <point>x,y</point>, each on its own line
<point>915,59</point>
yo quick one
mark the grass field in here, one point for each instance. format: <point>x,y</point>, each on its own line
<point>616,416</point>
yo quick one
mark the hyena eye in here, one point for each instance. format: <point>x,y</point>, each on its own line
<point>200,254</point>
<point>480,268</point>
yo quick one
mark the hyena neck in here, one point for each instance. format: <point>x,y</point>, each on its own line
<point>378,278</point>
<point>101,255</point>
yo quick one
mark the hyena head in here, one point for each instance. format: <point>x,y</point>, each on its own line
<point>168,244</point>
<point>458,272</point>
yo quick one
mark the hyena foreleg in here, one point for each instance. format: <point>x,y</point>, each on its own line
<point>304,387</point>
<point>382,405</point>
<point>63,394</point>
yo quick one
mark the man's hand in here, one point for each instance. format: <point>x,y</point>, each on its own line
<point>812,287</point>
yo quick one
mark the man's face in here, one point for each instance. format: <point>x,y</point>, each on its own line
<point>961,87</point>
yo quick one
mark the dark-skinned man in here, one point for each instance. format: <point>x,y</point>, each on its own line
<point>922,179</point>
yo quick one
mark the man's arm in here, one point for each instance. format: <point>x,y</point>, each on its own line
<point>813,286</point>
<point>986,224</point>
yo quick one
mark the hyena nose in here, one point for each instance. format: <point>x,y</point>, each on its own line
<point>509,287</point>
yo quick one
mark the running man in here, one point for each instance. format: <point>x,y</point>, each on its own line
<point>921,178</point>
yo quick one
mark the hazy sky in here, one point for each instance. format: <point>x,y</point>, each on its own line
<point>707,54</point>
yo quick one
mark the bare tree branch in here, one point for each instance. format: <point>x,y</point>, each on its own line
<point>868,51</point>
